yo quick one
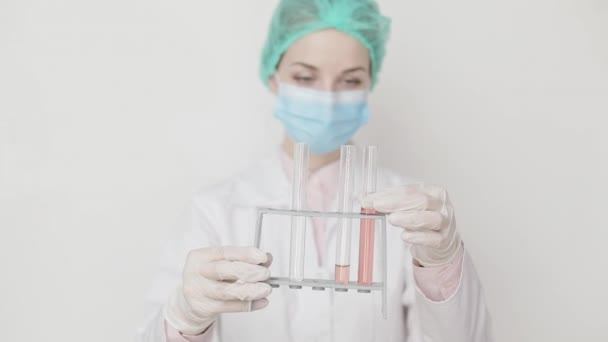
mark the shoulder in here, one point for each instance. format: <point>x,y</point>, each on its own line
<point>256,183</point>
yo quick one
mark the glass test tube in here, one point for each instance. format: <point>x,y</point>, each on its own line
<point>298,200</point>
<point>366,232</point>
<point>345,205</point>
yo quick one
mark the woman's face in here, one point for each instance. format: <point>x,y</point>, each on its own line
<point>327,60</point>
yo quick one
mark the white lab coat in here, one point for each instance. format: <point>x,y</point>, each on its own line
<point>225,215</point>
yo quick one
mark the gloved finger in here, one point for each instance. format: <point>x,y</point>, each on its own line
<point>238,291</point>
<point>424,238</point>
<point>269,262</point>
<point>436,191</point>
<point>234,270</point>
<point>402,201</point>
<point>208,307</point>
<point>417,220</point>
<point>250,255</point>
<point>259,304</point>
<point>243,306</point>
<point>431,190</point>
<point>395,190</point>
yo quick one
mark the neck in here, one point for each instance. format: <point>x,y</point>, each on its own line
<point>317,161</point>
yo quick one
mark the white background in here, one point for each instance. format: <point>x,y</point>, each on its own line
<point>112,113</point>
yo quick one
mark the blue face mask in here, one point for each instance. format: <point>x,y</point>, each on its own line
<point>323,120</point>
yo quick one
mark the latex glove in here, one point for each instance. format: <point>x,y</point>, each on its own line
<point>218,280</point>
<point>427,218</point>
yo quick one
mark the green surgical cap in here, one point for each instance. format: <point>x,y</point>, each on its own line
<point>293,19</point>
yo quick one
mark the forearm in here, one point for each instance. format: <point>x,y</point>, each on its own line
<point>439,283</point>
<point>175,336</point>
<point>463,316</point>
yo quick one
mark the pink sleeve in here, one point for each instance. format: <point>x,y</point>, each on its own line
<point>439,283</point>
<point>175,336</point>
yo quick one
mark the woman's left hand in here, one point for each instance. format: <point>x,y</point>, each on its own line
<point>425,214</point>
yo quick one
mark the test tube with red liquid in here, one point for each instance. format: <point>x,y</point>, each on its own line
<point>367,229</point>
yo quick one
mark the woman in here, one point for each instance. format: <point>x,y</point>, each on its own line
<point>321,59</point>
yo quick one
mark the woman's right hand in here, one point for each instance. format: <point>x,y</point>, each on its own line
<point>218,280</point>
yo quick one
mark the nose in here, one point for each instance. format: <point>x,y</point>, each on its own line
<point>328,85</point>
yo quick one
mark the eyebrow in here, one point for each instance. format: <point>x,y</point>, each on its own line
<point>353,70</point>
<point>312,67</point>
<point>308,66</point>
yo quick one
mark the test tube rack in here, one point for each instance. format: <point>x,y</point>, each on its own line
<point>322,284</point>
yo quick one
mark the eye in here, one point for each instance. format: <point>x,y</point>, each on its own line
<point>303,79</point>
<point>352,82</point>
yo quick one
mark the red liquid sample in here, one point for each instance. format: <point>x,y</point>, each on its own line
<point>366,249</point>
<point>342,274</point>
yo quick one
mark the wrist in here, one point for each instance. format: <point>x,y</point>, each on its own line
<point>425,256</point>
<point>180,316</point>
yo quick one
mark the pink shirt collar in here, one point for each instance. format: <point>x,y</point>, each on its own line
<point>323,181</point>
